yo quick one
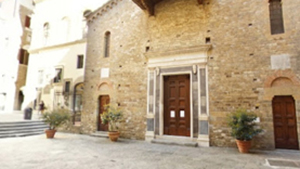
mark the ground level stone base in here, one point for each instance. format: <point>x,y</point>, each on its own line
<point>85,152</point>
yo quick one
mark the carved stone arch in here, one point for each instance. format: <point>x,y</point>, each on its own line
<point>282,77</point>
<point>105,86</point>
<point>282,82</point>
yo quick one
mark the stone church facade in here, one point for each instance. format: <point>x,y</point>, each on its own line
<point>178,67</point>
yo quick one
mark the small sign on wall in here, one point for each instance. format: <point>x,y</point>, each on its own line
<point>280,62</point>
<point>182,113</point>
<point>172,114</point>
<point>104,73</point>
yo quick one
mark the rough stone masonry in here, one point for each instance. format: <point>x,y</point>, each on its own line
<point>246,65</point>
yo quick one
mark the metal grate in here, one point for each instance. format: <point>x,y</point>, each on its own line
<point>283,163</point>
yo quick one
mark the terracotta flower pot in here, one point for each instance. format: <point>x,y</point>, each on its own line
<point>243,146</point>
<point>50,133</point>
<point>113,135</point>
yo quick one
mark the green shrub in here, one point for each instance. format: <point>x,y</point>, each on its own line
<point>111,115</point>
<point>243,125</point>
<point>56,118</point>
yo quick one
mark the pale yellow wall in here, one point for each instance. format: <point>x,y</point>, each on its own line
<point>64,42</point>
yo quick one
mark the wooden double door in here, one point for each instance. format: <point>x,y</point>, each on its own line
<point>285,123</point>
<point>177,105</point>
<point>103,100</point>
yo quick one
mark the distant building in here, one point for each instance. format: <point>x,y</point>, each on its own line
<point>57,54</point>
<point>12,74</point>
<point>25,12</point>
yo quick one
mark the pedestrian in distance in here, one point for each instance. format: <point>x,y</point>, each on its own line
<point>42,107</point>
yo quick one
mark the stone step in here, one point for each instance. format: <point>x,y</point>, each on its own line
<point>23,131</point>
<point>177,142</point>
<point>10,128</point>
<point>102,134</point>
<point>22,134</point>
<point>20,124</point>
<point>21,128</point>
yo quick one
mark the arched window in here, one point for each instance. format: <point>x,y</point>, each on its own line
<point>77,103</point>
<point>86,13</point>
<point>46,29</point>
<point>106,44</point>
<point>276,17</point>
<point>65,26</point>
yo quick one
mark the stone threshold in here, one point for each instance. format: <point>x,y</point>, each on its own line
<point>101,134</point>
<point>174,140</point>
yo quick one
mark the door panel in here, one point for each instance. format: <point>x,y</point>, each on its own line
<point>103,100</point>
<point>285,125</point>
<point>177,105</point>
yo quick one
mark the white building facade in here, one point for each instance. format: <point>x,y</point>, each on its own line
<point>10,43</point>
<point>57,54</point>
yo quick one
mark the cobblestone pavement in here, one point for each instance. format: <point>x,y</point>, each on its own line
<point>71,151</point>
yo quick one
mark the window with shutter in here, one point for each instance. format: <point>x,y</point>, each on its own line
<point>107,44</point>
<point>276,17</point>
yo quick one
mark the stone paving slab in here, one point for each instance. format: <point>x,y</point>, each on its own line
<point>71,151</point>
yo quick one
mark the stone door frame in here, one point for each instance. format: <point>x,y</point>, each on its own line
<point>161,101</point>
<point>283,83</point>
<point>294,107</point>
<point>192,61</point>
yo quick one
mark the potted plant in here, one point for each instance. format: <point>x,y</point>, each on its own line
<point>244,128</point>
<point>55,119</point>
<point>112,116</point>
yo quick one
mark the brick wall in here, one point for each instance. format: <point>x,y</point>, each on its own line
<point>239,63</point>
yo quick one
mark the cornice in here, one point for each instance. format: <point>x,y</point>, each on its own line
<point>32,51</point>
<point>103,9</point>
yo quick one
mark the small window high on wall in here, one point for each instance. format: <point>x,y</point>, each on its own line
<point>27,21</point>
<point>67,86</point>
<point>107,44</point>
<point>58,75</point>
<point>46,28</point>
<point>79,61</point>
<point>276,17</point>
<point>23,57</point>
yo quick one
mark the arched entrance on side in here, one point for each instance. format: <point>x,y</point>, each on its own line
<point>77,103</point>
<point>282,90</point>
<point>20,100</point>
<point>285,122</point>
<point>104,98</point>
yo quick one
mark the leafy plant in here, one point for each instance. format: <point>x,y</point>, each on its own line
<point>243,125</point>
<point>111,115</point>
<point>56,118</point>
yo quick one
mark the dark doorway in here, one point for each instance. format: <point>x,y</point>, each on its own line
<point>20,100</point>
<point>103,100</point>
<point>285,123</point>
<point>177,105</point>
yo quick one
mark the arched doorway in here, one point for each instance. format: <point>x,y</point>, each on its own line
<point>285,122</point>
<point>77,103</point>
<point>20,100</point>
<point>102,101</point>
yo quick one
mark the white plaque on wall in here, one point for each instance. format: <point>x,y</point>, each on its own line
<point>172,113</point>
<point>181,113</point>
<point>104,73</point>
<point>280,62</point>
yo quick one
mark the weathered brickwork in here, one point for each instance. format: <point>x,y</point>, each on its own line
<point>127,84</point>
<point>239,62</point>
<point>240,67</point>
